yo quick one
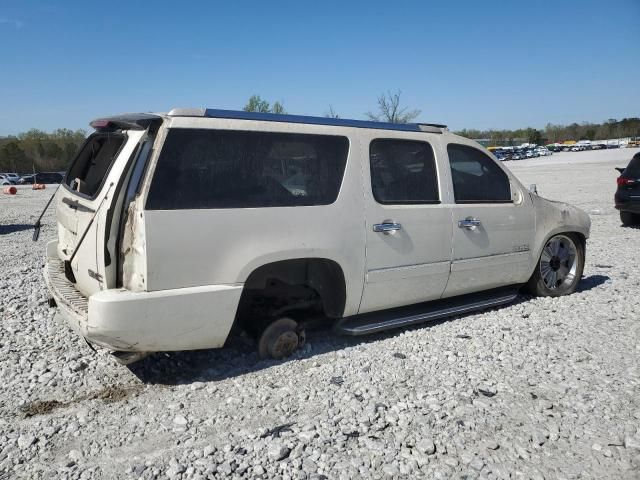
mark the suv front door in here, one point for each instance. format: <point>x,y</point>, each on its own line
<point>408,230</point>
<point>493,224</point>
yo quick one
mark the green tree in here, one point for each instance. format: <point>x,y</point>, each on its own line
<point>12,157</point>
<point>257,104</point>
<point>389,110</point>
<point>534,136</point>
<point>278,107</point>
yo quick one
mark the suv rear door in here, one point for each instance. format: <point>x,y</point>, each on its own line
<point>91,189</point>
<point>408,229</point>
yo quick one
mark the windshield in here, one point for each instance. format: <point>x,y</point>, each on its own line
<point>90,167</point>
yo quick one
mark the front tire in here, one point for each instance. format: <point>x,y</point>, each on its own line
<point>629,219</point>
<point>559,267</point>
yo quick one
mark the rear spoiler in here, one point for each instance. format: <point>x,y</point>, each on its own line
<point>127,121</point>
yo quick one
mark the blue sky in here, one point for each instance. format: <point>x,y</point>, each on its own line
<point>469,64</point>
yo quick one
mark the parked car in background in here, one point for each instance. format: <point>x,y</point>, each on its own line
<point>627,196</point>
<point>176,229</point>
<point>43,177</point>
<point>14,177</point>
<point>543,151</point>
<point>4,181</point>
<point>9,179</point>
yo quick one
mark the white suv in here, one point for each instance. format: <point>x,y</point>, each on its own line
<point>174,229</point>
<point>9,178</point>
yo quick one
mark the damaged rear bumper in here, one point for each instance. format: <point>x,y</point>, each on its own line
<point>118,319</point>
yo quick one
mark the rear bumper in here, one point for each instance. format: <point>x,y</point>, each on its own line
<point>179,319</point>
<point>628,206</point>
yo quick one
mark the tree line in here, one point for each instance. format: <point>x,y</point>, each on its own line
<point>391,110</point>
<point>612,128</point>
<point>40,151</point>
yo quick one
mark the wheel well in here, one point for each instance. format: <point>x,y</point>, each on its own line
<point>297,285</point>
<point>577,235</point>
<point>580,237</point>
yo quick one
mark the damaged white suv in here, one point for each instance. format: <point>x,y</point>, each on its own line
<point>175,229</point>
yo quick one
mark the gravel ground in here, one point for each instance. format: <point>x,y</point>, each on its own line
<point>544,388</point>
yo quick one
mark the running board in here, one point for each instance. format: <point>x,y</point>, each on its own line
<point>424,312</point>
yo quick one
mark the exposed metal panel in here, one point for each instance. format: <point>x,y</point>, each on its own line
<point>65,291</point>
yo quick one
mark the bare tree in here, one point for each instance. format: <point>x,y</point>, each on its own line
<point>331,113</point>
<point>389,110</point>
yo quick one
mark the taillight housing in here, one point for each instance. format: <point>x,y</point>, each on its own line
<point>624,181</point>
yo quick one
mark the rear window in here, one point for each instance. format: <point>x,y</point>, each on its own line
<point>89,169</point>
<point>633,169</point>
<point>200,168</point>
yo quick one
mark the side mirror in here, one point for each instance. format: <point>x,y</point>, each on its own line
<point>620,169</point>
<point>533,188</point>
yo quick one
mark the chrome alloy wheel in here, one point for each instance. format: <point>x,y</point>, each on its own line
<point>558,262</point>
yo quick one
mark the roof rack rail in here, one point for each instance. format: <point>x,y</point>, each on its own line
<point>277,117</point>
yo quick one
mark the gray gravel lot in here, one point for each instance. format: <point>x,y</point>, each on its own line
<point>544,388</point>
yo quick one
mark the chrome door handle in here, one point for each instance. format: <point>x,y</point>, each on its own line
<point>469,223</point>
<point>387,227</point>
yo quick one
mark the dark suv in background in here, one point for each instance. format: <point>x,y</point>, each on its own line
<point>628,194</point>
<point>43,177</point>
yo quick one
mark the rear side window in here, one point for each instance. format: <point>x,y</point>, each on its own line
<point>403,172</point>
<point>89,170</point>
<point>476,177</point>
<point>200,168</point>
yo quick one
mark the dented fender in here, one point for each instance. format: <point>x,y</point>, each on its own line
<point>553,217</point>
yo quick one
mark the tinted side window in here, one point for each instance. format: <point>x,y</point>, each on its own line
<point>240,169</point>
<point>403,171</point>
<point>476,177</point>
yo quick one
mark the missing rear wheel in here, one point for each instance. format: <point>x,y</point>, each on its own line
<point>280,339</point>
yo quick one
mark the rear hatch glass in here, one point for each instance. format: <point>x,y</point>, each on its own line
<point>633,169</point>
<point>89,170</point>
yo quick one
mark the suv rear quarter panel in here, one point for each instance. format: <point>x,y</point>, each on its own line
<point>197,247</point>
